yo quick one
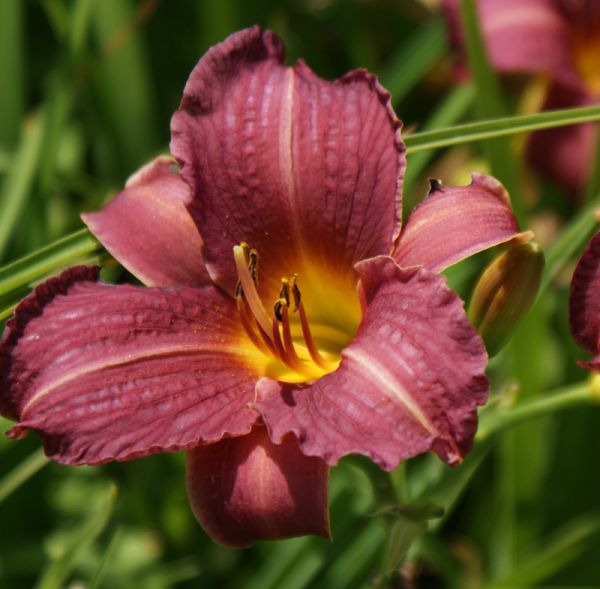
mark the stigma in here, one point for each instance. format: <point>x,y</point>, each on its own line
<point>283,333</point>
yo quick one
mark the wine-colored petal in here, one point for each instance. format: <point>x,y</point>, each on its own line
<point>520,36</point>
<point>247,489</point>
<point>298,167</point>
<point>409,382</point>
<point>455,222</point>
<point>593,364</point>
<point>105,372</point>
<point>584,300</point>
<point>149,230</point>
<point>565,154</point>
<point>582,15</point>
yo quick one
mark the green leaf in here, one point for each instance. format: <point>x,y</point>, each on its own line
<point>22,473</point>
<point>16,187</point>
<point>11,71</point>
<point>490,103</point>
<point>57,571</point>
<point>402,535</point>
<point>499,127</point>
<point>37,265</point>
<point>130,112</point>
<point>452,109</point>
<point>566,545</point>
<point>414,59</point>
<point>572,239</point>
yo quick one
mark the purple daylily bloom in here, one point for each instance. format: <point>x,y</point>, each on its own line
<point>584,303</point>
<point>287,321</point>
<point>561,40</point>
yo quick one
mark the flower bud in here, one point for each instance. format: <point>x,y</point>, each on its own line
<point>504,293</point>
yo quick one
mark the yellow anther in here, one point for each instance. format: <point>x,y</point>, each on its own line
<point>284,292</point>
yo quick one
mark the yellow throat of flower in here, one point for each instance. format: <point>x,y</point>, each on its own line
<point>283,343</point>
<point>586,52</point>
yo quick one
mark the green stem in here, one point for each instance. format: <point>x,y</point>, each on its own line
<point>499,420</point>
<point>22,472</point>
<point>59,254</point>
<point>499,127</point>
<point>399,486</point>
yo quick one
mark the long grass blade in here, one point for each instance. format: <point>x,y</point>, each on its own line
<point>59,254</point>
<point>11,71</point>
<point>572,239</point>
<point>17,186</point>
<point>499,127</point>
<point>57,571</point>
<point>414,59</point>
<point>22,473</point>
<point>448,113</point>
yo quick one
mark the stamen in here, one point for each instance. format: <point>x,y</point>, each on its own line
<point>253,266</point>
<point>310,344</point>
<point>286,348</point>
<point>278,344</point>
<point>295,291</point>
<point>247,323</point>
<point>284,292</point>
<point>249,286</point>
<point>287,336</point>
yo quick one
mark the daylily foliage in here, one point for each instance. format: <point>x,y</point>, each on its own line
<point>287,320</point>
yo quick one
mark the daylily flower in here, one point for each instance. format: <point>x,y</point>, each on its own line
<point>559,39</point>
<point>584,303</point>
<point>286,321</point>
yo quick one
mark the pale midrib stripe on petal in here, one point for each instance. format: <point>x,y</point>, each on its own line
<point>115,361</point>
<point>511,18</point>
<point>285,138</point>
<point>390,386</point>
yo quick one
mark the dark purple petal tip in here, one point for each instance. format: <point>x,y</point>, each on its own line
<point>584,300</point>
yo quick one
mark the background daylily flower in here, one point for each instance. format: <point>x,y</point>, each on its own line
<point>287,321</point>
<point>561,40</point>
<point>584,303</point>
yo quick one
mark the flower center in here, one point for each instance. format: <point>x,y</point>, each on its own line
<point>294,350</point>
<point>586,52</point>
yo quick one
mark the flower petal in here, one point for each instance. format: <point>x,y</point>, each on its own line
<point>247,489</point>
<point>584,300</point>
<point>106,372</point>
<point>531,36</point>
<point>565,154</point>
<point>296,166</point>
<point>455,222</point>
<point>149,230</point>
<point>409,382</point>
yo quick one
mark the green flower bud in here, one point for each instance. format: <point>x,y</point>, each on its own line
<point>504,293</point>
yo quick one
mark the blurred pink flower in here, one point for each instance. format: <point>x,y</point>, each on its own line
<point>557,38</point>
<point>359,348</point>
<point>584,303</point>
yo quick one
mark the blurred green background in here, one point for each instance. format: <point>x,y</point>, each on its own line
<point>87,88</point>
